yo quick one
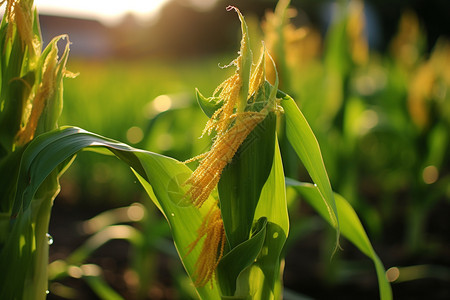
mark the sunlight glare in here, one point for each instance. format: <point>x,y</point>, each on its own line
<point>106,11</point>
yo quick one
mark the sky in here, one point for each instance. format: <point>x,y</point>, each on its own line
<point>105,10</point>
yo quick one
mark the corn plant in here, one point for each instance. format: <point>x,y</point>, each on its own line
<point>420,123</point>
<point>31,102</point>
<point>228,217</point>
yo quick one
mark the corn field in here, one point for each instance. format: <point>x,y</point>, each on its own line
<point>215,186</point>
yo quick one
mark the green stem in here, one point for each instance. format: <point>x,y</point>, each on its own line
<point>41,214</point>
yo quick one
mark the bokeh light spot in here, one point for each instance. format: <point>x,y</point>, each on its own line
<point>392,274</point>
<point>430,174</point>
<point>136,212</point>
<point>90,270</point>
<point>74,272</point>
<point>135,135</point>
<point>162,103</point>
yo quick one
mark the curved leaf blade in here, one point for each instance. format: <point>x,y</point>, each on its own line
<point>350,225</point>
<point>273,206</point>
<point>304,142</point>
<point>161,176</point>
<point>208,105</point>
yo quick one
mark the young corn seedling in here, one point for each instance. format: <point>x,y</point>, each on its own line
<point>228,218</point>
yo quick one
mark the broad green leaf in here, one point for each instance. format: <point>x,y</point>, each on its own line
<point>8,184</point>
<point>165,187</point>
<point>45,154</point>
<point>243,179</point>
<point>273,206</point>
<point>350,225</point>
<point>305,144</point>
<point>261,280</point>
<point>238,259</point>
<point>16,258</point>
<point>161,176</point>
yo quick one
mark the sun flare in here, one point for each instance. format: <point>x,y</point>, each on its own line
<point>106,11</point>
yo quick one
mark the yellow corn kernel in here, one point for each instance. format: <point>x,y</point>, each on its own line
<point>207,175</point>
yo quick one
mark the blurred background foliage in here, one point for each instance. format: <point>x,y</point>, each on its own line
<point>373,80</point>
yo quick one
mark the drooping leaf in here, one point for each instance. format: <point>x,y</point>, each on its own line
<point>350,225</point>
<point>161,176</point>
<point>305,144</point>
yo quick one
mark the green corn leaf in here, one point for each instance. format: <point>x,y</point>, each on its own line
<point>272,203</point>
<point>16,258</point>
<point>261,279</point>
<point>243,179</point>
<point>350,225</point>
<point>162,177</point>
<point>305,144</point>
<point>238,259</point>
<point>8,184</point>
<point>208,105</point>
<point>165,187</point>
<point>273,206</point>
